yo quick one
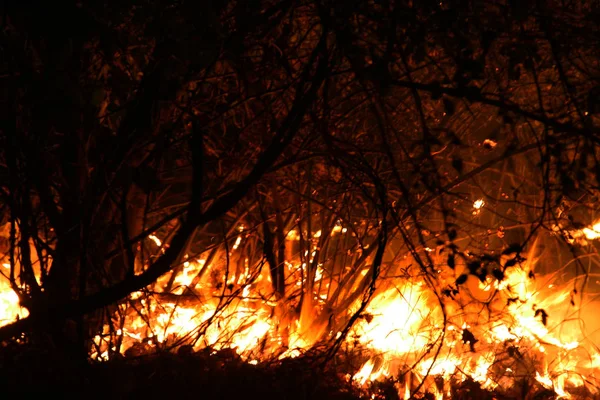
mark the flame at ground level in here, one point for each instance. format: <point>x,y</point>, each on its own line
<point>493,331</point>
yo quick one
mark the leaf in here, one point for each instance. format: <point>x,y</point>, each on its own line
<point>541,312</point>
<point>461,279</point>
<point>457,164</point>
<point>512,248</point>
<point>513,351</point>
<point>451,261</point>
<point>510,263</point>
<point>473,267</point>
<point>468,337</point>
<point>511,300</point>
<point>482,275</point>
<point>452,234</point>
<point>498,274</point>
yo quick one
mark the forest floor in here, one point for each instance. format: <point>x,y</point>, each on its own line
<point>28,373</point>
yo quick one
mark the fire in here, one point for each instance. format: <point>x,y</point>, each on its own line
<point>9,302</point>
<point>477,206</point>
<point>398,323</point>
<point>491,331</point>
<point>593,232</point>
<point>156,240</point>
<point>581,236</point>
<point>10,308</point>
<point>402,326</point>
<point>489,143</point>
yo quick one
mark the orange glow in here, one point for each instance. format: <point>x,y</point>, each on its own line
<point>9,302</point>
<point>527,327</point>
<point>490,143</point>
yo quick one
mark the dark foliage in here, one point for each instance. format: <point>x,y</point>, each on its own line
<point>188,119</point>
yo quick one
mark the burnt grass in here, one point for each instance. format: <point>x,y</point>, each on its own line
<point>28,373</point>
<point>183,375</point>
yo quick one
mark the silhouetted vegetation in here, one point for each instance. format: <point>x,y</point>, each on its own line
<point>188,119</point>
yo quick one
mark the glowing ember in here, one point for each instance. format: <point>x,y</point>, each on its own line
<point>478,204</point>
<point>489,143</point>
<point>156,240</point>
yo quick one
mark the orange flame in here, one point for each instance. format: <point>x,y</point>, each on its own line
<point>491,331</point>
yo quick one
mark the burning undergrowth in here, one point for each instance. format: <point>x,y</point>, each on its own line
<point>397,195</point>
<point>475,327</point>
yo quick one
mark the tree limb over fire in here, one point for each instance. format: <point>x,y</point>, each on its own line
<point>301,160</point>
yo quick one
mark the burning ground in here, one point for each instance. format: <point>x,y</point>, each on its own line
<point>509,335</point>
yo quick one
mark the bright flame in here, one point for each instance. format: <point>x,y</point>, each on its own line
<point>528,326</point>
<point>490,143</point>
<point>156,240</point>
<point>593,232</point>
<point>477,206</point>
